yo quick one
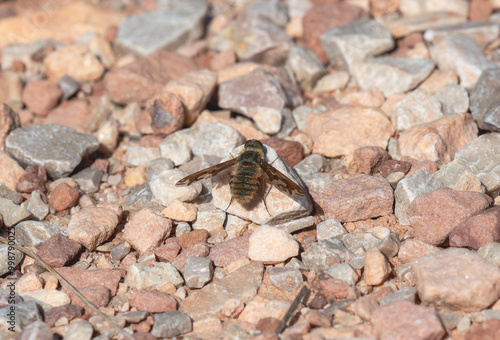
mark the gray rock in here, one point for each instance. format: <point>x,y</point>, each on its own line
<point>491,253</point>
<point>58,148</point>
<point>357,262</point>
<point>9,194</point>
<point>449,319</point>
<point>454,96</point>
<point>415,108</point>
<point>462,56</point>
<point>216,139</point>
<point>405,293</point>
<point>392,74</point>
<point>366,241</point>
<point>409,188</point>
<point>171,324</point>
<point>141,276</point>
<point>25,313</point>
<point>310,165</point>
<point>257,88</point>
<point>306,66</point>
<point>89,179</point>
<point>319,255</point>
<point>344,272</point>
<point>34,233</point>
<point>329,229</point>
<point>158,166</point>
<point>68,86</point>
<point>296,224</point>
<point>286,279</point>
<point>348,45</point>
<point>178,153</point>
<point>198,271</point>
<point>37,330</point>
<point>484,104</point>
<point>12,213</point>
<point>135,317</point>
<point>404,273</point>
<point>332,81</point>
<point>120,251</point>
<point>168,28</point>
<point>165,191</point>
<point>301,113</point>
<point>37,206</point>
<point>390,245</point>
<point>274,10</point>
<point>141,156</point>
<point>287,124</point>
<point>482,33</point>
<point>139,198</point>
<point>79,330</point>
<point>420,22</point>
<point>317,182</point>
<point>9,258</point>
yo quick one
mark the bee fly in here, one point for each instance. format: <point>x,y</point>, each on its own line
<point>249,172</point>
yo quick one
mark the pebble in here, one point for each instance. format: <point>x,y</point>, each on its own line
<point>29,282</point>
<point>240,284</point>
<point>212,220</point>
<point>241,94</point>
<point>29,147</point>
<point>216,139</point>
<point>368,159</point>
<point>393,74</point>
<point>198,271</point>
<point>406,293</point>
<point>435,215</point>
<point>35,233</point>
<point>456,278</point>
<point>482,33</point>
<point>356,198</point>
<point>182,23</point>
<point>63,197</point>
<point>271,245</point>
<point>47,298</point>
<point>36,205</point>
<point>178,153</point>
<point>389,245</point>
<point>140,276</point>
<point>401,27</point>
<point>332,81</point>
<point>11,93</point>
<point>141,156</point>
<point>306,67</point>
<point>153,301</point>
<point>268,120</point>
<point>491,253</point>
<point>59,250</point>
<point>180,211</point>
<point>302,112</point>
<point>342,131</point>
<point>405,320</point>
<point>412,248</point>
<point>168,251</point>
<point>92,226</point>
<point>462,56</point>
<point>33,178</point>
<point>10,172</point>
<point>482,100</point>
<point>224,253</point>
<point>329,229</point>
<point>6,255</point>
<point>310,165</point>
<point>454,96</point>
<point>12,213</point>
<point>68,86</point>
<point>344,272</point>
<point>198,250</point>
<point>79,330</point>
<point>164,190</point>
<point>348,45</point>
<point>285,279</point>
<point>146,230</point>
<point>477,230</point>
<point>171,324</point>
<point>377,268</point>
<point>415,108</point>
<point>320,255</point>
<point>36,330</point>
<point>164,113</point>
<point>27,312</point>
<point>41,96</point>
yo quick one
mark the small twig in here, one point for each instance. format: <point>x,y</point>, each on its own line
<point>69,285</point>
<point>292,309</point>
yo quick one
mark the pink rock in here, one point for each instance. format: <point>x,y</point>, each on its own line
<point>74,113</point>
<point>337,290</point>
<point>80,278</point>
<point>487,330</point>
<point>356,198</point>
<point>223,253</point>
<point>369,158</point>
<point>416,166</point>
<point>98,295</point>
<point>289,151</point>
<point>63,197</point>
<point>478,230</point>
<point>411,249</point>
<point>480,10</point>
<point>193,237</point>
<point>41,96</point>
<point>92,225</point>
<point>70,312</point>
<point>390,166</point>
<point>59,250</point>
<point>164,113</point>
<point>153,301</point>
<point>169,250</point>
<point>34,178</point>
<point>9,120</point>
<point>198,249</point>
<point>435,215</point>
<point>405,320</point>
<point>146,230</point>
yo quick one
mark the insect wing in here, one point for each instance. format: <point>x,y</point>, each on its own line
<point>205,173</point>
<point>281,181</point>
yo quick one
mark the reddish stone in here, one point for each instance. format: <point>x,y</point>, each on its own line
<point>224,253</point>
<point>268,324</point>
<point>98,295</point>
<point>291,152</point>
<point>168,251</point>
<point>151,141</point>
<point>193,237</point>
<point>69,312</point>
<point>480,10</point>
<point>336,290</point>
<point>102,164</point>
<point>74,113</point>
<point>369,158</point>
<point>41,96</point>
<point>478,230</point>
<point>9,120</point>
<point>81,278</point>
<point>59,250</point>
<point>198,249</point>
<point>33,178</point>
<point>390,166</point>
<point>222,60</point>
<point>164,113</point>
<point>411,249</point>
<point>486,330</point>
<point>416,165</point>
<point>411,40</point>
<point>63,197</point>
<point>324,16</point>
<point>153,301</point>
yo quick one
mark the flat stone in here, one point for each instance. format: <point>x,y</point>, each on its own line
<point>482,33</point>
<point>67,147</point>
<point>59,250</point>
<point>69,312</point>
<point>344,272</point>
<point>285,279</point>
<point>181,23</point>
<point>456,278</point>
<point>9,194</point>
<point>241,284</point>
<point>171,324</point>
<point>216,139</point>
<point>164,190</point>
<point>80,278</point>
<point>406,293</point>
<point>483,105</point>
<point>343,200</point>
<point>478,230</point>
<point>462,56</point>
<point>421,22</point>
<point>97,295</point>
<point>140,276</point>
<point>146,230</point>
<point>153,301</point>
<point>415,108</point>
<point>224,253</point>
<point>12,213</point>
<point>321,255</point>
<point>271,245</point>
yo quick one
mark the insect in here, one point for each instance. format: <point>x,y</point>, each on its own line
<point>249,172</point>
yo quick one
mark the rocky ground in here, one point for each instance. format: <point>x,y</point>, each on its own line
<point>387,111</point>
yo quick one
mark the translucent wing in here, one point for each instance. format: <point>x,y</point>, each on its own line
<point>281,181</point>
<point>205,173</point>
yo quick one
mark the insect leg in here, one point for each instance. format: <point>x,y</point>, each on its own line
<point>263,186</point>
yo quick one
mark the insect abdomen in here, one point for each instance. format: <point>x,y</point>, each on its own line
<point>244,181</point>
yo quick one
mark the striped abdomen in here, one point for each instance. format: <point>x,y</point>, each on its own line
<point>244,181</point>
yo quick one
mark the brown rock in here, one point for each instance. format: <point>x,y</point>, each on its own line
<point>369,158</point>
<point>198,249</point>
<point>324,16</point>
<point>74,113</point>
<point>63,197</point>
<point>34,178</point>
<point>435,215</point>
<point>411,249</point>
<point>98,295</point>
<point>486,330</point>
<point>318,318</point>
<point>480,10</point>
<point>69,312</point>
<point>364,307</point>
<point>92,225</point>
<point>222,60</point>
<point>41,96</point>
<point>478,230</point>
<point>405,320</point>
<point>153,301</point>
<point>164,113</point>
<point>168,252</point>
<point>390,166</point>
<point>59,250</point>
<point>81,278</point>
<point>10,171</point>
<point>9,120</point>
<point>371,97</point>
<point>224,253</point>
<point>381,8</point>
<point>140,80</point>
<point>193,237</point>
<point>355,199</point>
<point>290,152</point>
<point>416,166</point>
<point>336,290</point>
<point>146,230</point>
<point>377,268</point>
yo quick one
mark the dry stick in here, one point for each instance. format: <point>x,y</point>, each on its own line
<point>69,285</point>
<point>292,309</point>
